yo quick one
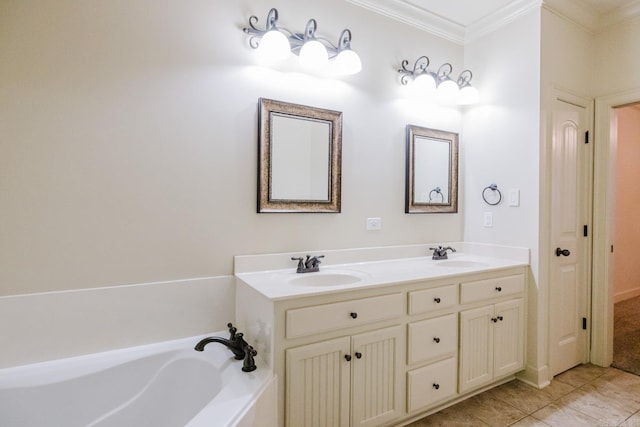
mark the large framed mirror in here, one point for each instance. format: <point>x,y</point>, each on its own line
<point>299,158</point>
<point>432,171</point>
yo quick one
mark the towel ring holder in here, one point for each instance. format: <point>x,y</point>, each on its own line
<point>494,189</point>
<point>438,191</point>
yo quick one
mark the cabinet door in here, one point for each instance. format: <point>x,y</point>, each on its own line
<point>375,388</point>
<point>318,379</point>
<point>476,347</point>
<point>509,337</point>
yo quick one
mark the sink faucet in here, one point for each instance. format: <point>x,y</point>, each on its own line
<point>308,265</point>
<point>239,347</point>
<point>440,252</point>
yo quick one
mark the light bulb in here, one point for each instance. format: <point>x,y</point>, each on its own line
<point>313,55</point>
<point>274,47</point>
<point>448,91</point>
<point>425,83</point>
<point>468,95</point>
<point>347,63</point>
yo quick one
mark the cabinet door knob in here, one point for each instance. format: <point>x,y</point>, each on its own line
<point>437,340</point>
<point>494,319</point>
<point>353,314</point>
<point>498,289</point>
<point>358,355</point>
<point>347,357</point>
<point>436,386</point>
<point>500,318</point>
<point>436,300</point>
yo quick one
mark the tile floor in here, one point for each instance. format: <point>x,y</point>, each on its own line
<point>586,395</point>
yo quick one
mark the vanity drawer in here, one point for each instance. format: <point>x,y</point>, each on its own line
<point>433,299</point>
<point>432,338</point>
<point>431,384</point>
<point>334,316</point>
<point>492,288</point>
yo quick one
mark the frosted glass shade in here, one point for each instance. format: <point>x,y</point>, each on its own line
<point>448,91</point>
<point>468,95</point>
<point>313,55</point>
<point>274,46</point>
<point>425,84</point>
<point>347,63</point>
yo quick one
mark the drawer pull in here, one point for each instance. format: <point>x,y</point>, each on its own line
<point>436,386</point>
<point>437,340</point>
<point>498,289</point>
<point>436,300</point>
<point>358,355</point>
<point>353,314</point>
<point>347,357</point>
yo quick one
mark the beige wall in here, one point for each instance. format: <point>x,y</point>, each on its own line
<point>626,278</point>
<point>128,149</point>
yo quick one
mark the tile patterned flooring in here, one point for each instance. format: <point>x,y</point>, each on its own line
<point>586,395</point>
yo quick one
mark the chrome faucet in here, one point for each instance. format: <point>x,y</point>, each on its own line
<point>440,252</point>
<point>308,265</point>
<point>239,347</point>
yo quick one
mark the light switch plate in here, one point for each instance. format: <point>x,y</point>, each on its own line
<point>488,219</point>
<point>514,197</point>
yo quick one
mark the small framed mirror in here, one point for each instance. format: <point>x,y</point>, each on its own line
<point>299,158</point>
<point>432,171</point>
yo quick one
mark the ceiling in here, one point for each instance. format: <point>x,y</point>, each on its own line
<point>463,20</point>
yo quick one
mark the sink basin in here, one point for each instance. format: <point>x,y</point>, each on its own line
<point>325,279</point>
<point>459,263</point>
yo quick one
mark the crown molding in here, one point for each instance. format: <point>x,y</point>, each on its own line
<point>573,11</point>
<point>417,17</point>
<point>500,18</point>
<point>620,15</point>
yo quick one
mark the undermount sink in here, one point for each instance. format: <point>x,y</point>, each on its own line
<point>458,263</point>
<point>325,279</point>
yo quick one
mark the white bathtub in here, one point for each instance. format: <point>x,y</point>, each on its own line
<point>161,385</point>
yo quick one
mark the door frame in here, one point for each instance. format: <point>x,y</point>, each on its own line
<point>603,223</point>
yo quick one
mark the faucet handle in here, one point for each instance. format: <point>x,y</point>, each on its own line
<point>232,331</point>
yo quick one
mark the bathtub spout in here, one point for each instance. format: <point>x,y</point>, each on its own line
<point>237,345</point>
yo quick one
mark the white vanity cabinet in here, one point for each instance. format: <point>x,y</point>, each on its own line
<point>492,334</point>
<point>387,353</point>
<point>345,381</point>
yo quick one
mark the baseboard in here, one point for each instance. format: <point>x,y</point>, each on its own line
<point>536,377</point>
<point>621,296</point>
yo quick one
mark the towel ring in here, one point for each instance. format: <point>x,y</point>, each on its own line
<point>494,189</point>
<point>436,190</point>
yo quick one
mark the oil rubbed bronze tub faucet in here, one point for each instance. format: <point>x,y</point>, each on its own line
<point>239,347</point>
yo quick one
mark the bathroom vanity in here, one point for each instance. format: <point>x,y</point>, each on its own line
<point>385,342</point>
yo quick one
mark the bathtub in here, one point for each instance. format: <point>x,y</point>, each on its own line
<point>167,384</point>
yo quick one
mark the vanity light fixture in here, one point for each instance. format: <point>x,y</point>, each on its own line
<point>439,83</point>
<point>316,53</point>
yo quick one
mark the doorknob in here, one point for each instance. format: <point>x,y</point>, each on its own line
<point>564,252</point>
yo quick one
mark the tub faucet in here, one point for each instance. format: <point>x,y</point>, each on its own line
<point>235,343</point>
<point>440,252</point>
<point>308,265</point>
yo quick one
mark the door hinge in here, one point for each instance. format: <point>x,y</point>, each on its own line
<point>585,231</point>
<point>586,137</point>
<point>584,323</point>
<point>611,248</point>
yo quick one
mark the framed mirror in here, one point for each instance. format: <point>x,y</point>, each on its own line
<point>432,171</point>
<point>299,158</point>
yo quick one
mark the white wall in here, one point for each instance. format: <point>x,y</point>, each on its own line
<point>502,139</point>
<point>129,138</point>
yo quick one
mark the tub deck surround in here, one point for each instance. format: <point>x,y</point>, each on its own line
<point>427,332</point>
<point>163,384</point>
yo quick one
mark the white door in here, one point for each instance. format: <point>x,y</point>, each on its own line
<point>570,249</point>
